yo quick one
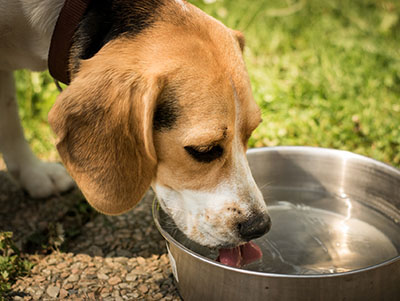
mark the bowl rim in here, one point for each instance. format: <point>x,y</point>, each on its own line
<point>313,149</point>
<point>170,239</point>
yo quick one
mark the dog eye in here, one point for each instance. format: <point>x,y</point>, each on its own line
<point>205,154</point>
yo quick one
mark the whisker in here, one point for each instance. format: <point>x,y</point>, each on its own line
<point>265,185</point>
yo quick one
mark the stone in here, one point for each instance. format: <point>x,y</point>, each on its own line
<point>40,279</point>
<point>131,277</point>
<point>102,276</point>
<point>135,295</point>
<point>83,257</point>
<point>141,260</point>
<point>114,280</point>
<point>157,277</point>
<point>38,294</point>
<point>63,293</point>
<point>91,296</point>
<point>158,296</point>
<point>52,261</point>
<point>64,275</point>
<point>143,288</point>
<point>68,286</point>
<point>53,291</point>
<point>61,265</point>
<point>73,278</point>
<point>90,276</point>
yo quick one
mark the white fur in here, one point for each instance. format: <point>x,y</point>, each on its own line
<point>26,27</point>
<point>188,210</point>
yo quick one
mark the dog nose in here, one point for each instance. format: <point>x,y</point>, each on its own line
<point>256,226</point>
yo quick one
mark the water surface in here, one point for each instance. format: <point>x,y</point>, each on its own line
<point>316,233</point>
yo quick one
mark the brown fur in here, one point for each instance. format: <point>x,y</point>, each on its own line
<point>104,119</point>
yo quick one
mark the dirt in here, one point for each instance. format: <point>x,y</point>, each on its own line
<point>80,254</point>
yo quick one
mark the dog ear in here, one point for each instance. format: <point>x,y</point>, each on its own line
<point>240,38</point>
<point>103,123</point>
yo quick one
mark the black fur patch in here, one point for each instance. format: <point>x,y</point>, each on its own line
<point>167,111</point>
<point>106,20</point>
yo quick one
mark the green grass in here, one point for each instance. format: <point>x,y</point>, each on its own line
<point>325,73</point>
<point>36,93</point>
<point>12,264</point>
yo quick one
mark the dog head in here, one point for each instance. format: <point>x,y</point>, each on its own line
<point>170,107</point>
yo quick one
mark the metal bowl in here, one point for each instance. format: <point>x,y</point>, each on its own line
<point>335,233</point>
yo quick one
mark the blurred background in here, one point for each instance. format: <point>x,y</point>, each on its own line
<point>325,73</point>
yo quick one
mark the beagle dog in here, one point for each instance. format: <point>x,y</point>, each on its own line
<point>159,96</point>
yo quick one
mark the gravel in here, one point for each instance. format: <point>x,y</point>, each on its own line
<point>110,258</point>
<point>86,277</point>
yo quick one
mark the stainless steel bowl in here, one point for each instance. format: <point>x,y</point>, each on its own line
<point>335,233</point>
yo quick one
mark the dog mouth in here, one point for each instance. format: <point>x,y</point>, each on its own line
<point>230,254</point>
<point>239,256</point>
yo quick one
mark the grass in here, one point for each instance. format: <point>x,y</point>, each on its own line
<point>36,93</point>
<point>12,264</point>
<point>325,73</point>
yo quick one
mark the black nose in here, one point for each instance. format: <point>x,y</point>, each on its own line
<point>254,227</point>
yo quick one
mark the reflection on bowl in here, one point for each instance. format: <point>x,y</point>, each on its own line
<point>335,233</point>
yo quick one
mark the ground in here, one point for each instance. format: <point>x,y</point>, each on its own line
<point>102,258</point>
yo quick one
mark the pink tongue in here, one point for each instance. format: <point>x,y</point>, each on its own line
<point>240,256</point>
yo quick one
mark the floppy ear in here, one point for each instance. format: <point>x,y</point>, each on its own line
<point>103,122</point>
<point>240,38</point>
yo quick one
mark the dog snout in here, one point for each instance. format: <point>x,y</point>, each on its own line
<point>255,226</point>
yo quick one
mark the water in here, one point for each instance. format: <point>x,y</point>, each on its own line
<point>323,234</point>
<point>309,240</point>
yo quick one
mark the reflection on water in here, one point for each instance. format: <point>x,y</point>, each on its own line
<point>322,235</point>
<point>306,240</point>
